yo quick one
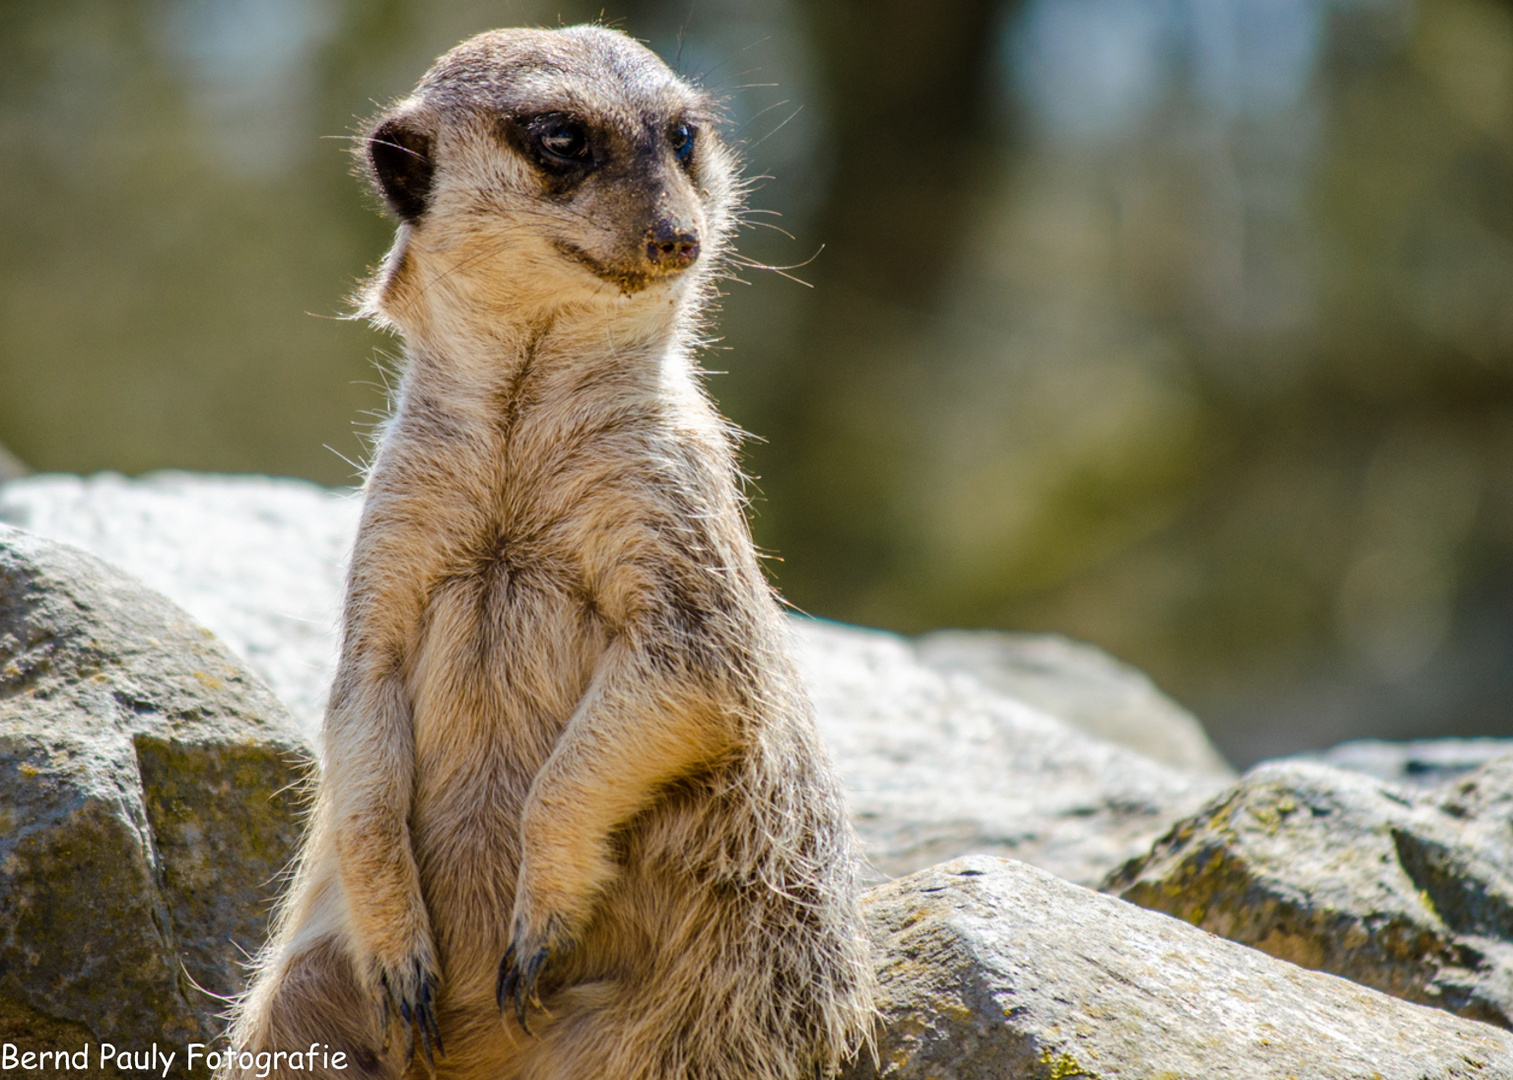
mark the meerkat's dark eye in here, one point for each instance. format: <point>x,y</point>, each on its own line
<point>681,140</point>
<point>563,138</point>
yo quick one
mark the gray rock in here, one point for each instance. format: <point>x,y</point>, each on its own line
<point>992,969</point>
<point>1408,891</point>
<point>939,763</point>
<point>257,560</point>
<point>1419,762</point>
<point>1082,685</point>
<point>147,805</point>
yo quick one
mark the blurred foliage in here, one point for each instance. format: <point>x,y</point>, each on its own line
<point>1182,326</point>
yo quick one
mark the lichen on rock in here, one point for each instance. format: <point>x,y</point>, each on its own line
<point>992,969</point>
<point>1409,891</point>
<point>149,799</point>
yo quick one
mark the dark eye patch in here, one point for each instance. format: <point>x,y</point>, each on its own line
<point>563,147</point>
<point>562,137</point>
<point>560,142</point>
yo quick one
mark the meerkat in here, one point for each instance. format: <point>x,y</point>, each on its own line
<point>574,820</point>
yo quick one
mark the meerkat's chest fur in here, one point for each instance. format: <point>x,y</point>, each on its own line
<point>581,490</point>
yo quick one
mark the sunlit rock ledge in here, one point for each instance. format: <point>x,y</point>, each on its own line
<point>151,798</point>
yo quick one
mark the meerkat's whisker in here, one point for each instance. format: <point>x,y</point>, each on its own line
<point>786,120</point>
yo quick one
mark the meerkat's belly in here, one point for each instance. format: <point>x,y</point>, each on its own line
<point>504,659</point>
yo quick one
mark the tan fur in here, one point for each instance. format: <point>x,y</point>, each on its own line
<point>565,723</point>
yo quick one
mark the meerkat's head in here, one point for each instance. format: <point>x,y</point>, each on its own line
<point>536,168</point>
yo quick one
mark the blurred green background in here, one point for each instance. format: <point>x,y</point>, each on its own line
<point>1180,326</point>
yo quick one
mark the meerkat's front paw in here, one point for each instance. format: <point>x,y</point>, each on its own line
<point>564,870</point>
<point>530,950</point>
<point>407,993</point>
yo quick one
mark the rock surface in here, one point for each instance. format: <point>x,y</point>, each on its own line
<point>1408,891</point>
<point>1083,686</point>
<point>259,561</point>
<point>939,763</point>
<point>1419,762</point>
<point>991,969</point>
<point>147,806</point>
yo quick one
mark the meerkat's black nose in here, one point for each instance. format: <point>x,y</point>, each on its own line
<point>672,247</point>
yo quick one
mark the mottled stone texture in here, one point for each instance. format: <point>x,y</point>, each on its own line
<point>148,802</point>
<point>256,559</point>
<point>1083,686</point>
<point>939,765</point>
<point>1416,762</point>
<point>1406,890</point>
<point>940,754</point>
<point>993,970</point>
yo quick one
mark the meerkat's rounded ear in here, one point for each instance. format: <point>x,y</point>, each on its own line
<point>400,156</point>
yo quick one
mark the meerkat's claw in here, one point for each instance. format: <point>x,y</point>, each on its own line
<point>502,985</point>
<point>517,982</point>
<point>425,1043</point>
<point>508,987</point>
<point>414,1006</point>
<point>383,1021</point>
<point>428,1013</point>
<point>420,1018</point>
<point>388,1008</point>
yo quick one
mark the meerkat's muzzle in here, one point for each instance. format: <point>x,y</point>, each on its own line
<point>659,253</point>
